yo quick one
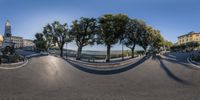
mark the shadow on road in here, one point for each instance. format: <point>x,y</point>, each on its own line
<point>170,74</point>
<point>109,72</point>
<point>181,63</point>
<point>172,56</point>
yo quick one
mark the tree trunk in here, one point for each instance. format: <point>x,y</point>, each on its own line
<point>122,51</point>
<point>108,53</point>
<point>132,50</point>
<point>61,52</point>
<point>132,53</point>
<point>145,50</point>
<point>78,55</point>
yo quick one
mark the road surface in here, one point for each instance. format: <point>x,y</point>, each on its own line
<point>52,78</point>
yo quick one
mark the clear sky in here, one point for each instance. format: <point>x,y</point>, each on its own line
<point>172,17</point>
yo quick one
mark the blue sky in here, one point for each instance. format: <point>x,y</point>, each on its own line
<point>172,17</point>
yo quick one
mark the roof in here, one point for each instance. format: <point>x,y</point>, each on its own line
<point>16,37</point>
<point>188,34</point>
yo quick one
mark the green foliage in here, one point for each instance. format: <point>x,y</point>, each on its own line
<point>196,58</point>
<point>83,32</point>
<point>188,46</point>
<point>57,33</point>
<point>168,44</point>
<point>158,40</point>
<point>40,42</point>
<point>178,47</point>
<point>133,35</point>
<point>108,29</point>
<point>112,28</point>
<point>8,50</point>
<point>192,45</point>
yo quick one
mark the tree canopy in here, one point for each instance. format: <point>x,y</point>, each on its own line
<point>108,29</point>
<point>83,32</point>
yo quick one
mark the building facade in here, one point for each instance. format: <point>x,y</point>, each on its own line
<point>18,41</point>
<point>1,40</point>
<point>28,43</point>
<point>190,37</point>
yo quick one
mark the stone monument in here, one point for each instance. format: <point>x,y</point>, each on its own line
<point>7,45</point>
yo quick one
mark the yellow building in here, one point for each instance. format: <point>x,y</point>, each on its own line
<point>1,40</point>
<point>190,37</point>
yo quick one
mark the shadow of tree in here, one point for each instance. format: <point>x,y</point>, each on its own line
<point>173,56</point>
<point>170,74</point>
<point>181,63</point>
<point>108,72</point>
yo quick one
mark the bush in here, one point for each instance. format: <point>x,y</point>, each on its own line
<point>12,58</point>
<point>196,58</point>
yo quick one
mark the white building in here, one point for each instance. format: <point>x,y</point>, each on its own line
<point>18,41</point>
<point>28,43</point>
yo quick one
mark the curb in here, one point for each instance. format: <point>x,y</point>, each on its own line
<point>193,63</point>
<point>16,67</point>
<point>108,71</point>
<point>21,65</point>
<point>103,68</point>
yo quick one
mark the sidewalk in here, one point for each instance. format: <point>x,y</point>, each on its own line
<point>115,64</point>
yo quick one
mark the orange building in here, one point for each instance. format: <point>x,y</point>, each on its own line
<point>190,37</point>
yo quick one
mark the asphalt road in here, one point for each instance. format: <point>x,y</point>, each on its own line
<point>52,78</point>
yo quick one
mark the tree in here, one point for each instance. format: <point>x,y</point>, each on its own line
<point>58,33</point>
<point>133,33</point>
<point>192,45</point>
<point>168,44</point>
<point>48,37</point>
<point>111,29</point>
<point>158,42</point>
<point>83,32</point>
<point>145,38</point>
<point>121,22</point>
<point>155,39</point>
<point>40,42</point>
<point>178,47</point>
